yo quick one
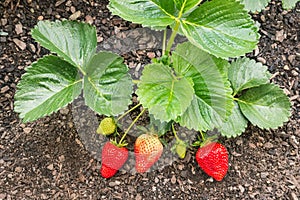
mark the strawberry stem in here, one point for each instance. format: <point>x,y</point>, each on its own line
<point>202,136</point>
<point>174,131</point>
<point>128,111</point>
<point>172,38</point>
<point>130,126</point>
<point>136,81</point>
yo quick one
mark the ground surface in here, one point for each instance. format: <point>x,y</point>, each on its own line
<point>47,160</point>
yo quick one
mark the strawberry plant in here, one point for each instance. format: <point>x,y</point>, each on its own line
<point>196,85</point>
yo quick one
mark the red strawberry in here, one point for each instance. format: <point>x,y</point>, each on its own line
<point>113,158</point>
<point>213,160</point>
<point>147,150</point>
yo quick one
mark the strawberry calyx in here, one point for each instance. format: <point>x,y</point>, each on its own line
<point>119,144</point>
<point>205,140</point>
<point>113,158</point>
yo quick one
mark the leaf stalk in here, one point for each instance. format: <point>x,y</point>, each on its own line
<point>172,38</point>
<point>130,126</point>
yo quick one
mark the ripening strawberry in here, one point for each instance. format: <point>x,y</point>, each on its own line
<point>213,160</point>
<point>107,126</point>
<point>113,158</point>
<point>147,150</point>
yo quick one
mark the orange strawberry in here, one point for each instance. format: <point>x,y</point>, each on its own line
<point>147,150</point>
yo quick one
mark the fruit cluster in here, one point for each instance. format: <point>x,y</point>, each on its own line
<point>212,157</point>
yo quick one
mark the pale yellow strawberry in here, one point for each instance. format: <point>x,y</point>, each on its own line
<point>107,126</point>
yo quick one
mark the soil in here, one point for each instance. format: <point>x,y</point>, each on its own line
<point>48,158</point>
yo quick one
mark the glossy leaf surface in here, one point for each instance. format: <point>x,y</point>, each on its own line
<point>107,85</point>
<point>48,85</point>
<point>266,106</point>
<point>212,101</point>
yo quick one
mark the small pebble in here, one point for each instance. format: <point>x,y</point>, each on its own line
<point>291,58</point>
<point>173,179</point>
<point>2,196</point>
<point>113,184</point>
<point>293,196</point>
<point>40,18</point>
<point>264,175</point>
<point>19,28</point>
<point>138,197</point>
<point>285,67</point>
<point>280,36</point>
<point>295,73</point>
<point>268,145</point>
<point>242,189</point>
<point>18,169</point>
<point>19,43</point>
<point>50,167</point>
<point>3,22</point>
<point>75,15</point>
<point>89,19</point>
<point>32,48</point>
<point>4,89</point>
<point>58,3</point>
<point>64,111</point>
<point>27,130</point>
<point>61,158</point>
<point>151,55</point>
<point>73,9</point>
<point>262,60</point>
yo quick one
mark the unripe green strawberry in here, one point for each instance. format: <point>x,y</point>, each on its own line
<point>181,148</point>
<point>107,126</point>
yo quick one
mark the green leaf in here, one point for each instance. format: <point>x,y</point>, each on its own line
<point>212,102</point>
<point>222,28</point>
<point>73,41</point>
<point>153,13</point>
<point>245,73</point>
<point>236,123</point>
<point>186,5</point>
<point>256,5</point>
<point>289,4</point>
<point>48,85</point>
<point>165,95</point>
<point>266,106</point>
<point>107,85</point>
